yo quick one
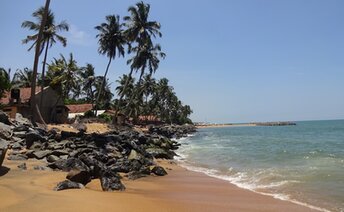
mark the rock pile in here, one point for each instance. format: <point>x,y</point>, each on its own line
<point>92,156</point>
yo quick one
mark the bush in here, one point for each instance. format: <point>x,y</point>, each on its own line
<point>105,117</point>
<point>89,114</point>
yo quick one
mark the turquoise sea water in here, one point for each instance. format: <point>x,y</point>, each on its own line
<point>302,163</point>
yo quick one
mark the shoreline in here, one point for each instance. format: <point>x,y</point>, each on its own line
<point>180,190</point>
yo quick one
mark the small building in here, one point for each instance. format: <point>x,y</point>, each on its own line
<point>52,110</point>
<point>149,119</point>
<point>78,110</point>
<point>117,120</point>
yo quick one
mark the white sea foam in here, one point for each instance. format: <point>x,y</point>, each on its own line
<point>240,179</point>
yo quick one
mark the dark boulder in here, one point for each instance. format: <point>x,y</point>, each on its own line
<point>158,170</point>
<point>41,154</point>
<point>33,136</point>
<point>110,181</point>
<point>20,120</point>
<point>17,157</point>
<point>4,118</point>
<point>67,184</point>
<point>79,176</point>
<point>41,168</point>
<point>68,164</point>
<point>3,150</point>
<point>161,153</point>
<point>22,166</point>
<point>66,135</point>
<point>5,131</point>
<point>52,158</point>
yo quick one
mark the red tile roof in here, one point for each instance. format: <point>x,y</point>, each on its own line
<point>80,108</point>
<point>25,94</point>
<point>149,118</point>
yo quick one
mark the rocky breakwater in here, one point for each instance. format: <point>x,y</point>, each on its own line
<point>94,156</point>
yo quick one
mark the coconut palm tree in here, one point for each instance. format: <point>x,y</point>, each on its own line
<point>23,78</point>
<point>49,36</point>
<point>64,76</point>
<point>111,43</point>
<point>140,31</point>
<point>139,28</point>
<point>5,82</point>
<point>106,95</point>
<point>88,82</point>
<point>122,82</point>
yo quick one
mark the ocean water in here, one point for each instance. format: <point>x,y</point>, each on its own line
<point>303,163</point>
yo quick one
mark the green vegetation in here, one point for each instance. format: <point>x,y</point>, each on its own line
<point>133,38</point>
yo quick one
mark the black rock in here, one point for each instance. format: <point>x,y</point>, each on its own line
<point>17,157</point>
<point>41,168</point>
<point>66,134</point>
<point>5,131</point>
<point>67,184</point>
<point>41,154</point>
<point>160,153</point>
<point>68,164</point>
<point>79,176</point>
<point>158,170</point>
<point>33,136</point>
<point>4,118</point>
<point>22,166</point>
<point>110,181</point>
<point>3,150</point>
<point>52,158</point>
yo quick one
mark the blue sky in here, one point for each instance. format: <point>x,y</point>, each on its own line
<point>232,61</point>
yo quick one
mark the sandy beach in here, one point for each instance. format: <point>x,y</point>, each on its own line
<point>180,190</point>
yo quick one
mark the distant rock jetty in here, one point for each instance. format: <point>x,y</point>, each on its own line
<point>280,123</point>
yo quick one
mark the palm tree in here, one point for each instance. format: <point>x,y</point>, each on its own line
<point>23,78</point>
<point>49,36</point>
<point>5,82</point>
<point>106,95</point>
<point>88,82</point>
<point>64,76</point>
<point>122,82</point>
<point>146,56</point>
<point>111,43</point>
<point>140,31</point>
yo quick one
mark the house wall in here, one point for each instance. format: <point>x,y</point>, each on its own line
<point>50,101</point>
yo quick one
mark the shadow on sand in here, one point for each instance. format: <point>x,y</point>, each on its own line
<point>4,170</point>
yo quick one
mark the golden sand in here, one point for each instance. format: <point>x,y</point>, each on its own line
<point>180,190</point>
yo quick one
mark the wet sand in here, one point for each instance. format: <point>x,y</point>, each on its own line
<point>180,190</point>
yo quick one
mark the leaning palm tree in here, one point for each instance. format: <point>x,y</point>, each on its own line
<point>49,36</point>
<point>111,43</point>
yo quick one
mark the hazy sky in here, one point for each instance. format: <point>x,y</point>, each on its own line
<point>232,61</point>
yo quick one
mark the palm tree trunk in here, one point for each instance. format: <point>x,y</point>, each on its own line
<point>123,92</point>
<point>34,108</point>
<point>43,74</point>
<point>101,87</point>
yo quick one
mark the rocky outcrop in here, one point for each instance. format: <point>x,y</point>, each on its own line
<point>94,156</point>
